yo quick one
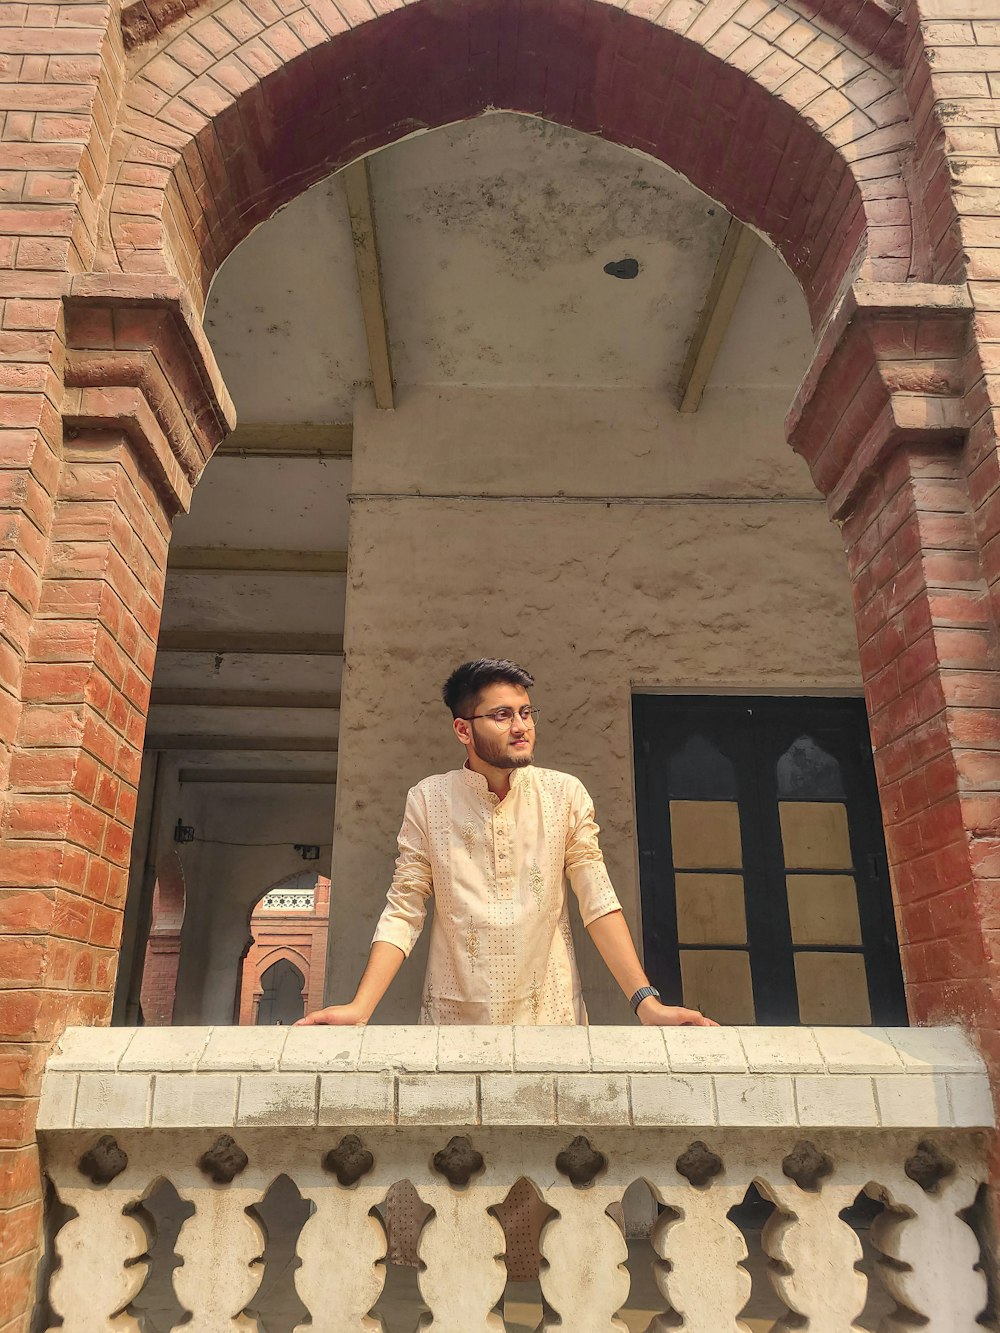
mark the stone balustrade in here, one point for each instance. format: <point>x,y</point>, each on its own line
<point>816,1119</point>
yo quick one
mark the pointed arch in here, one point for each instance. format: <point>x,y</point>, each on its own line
<point>235,111</point>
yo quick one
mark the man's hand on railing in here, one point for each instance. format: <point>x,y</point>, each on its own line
<point>652,1014</point>
<point>384,962</point>
<point>343,1015</point>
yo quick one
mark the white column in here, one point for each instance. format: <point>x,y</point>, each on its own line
<point>933,1253</point>
<point>97,1277</point>
<point>462,1247</point>
<point>342,1248</point>
<point>705,1281</point>
<point>221,1247</point>
<point>586,1282</point>
<point>817,1251</point>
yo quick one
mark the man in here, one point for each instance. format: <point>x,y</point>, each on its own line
<point>494,842</point>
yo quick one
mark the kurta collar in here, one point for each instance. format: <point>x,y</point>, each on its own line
<point>479,783</point>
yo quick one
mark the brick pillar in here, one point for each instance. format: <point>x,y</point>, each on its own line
<point>882,420</point>
<point>140,415</point>
<point>159,978</point>
<point>163,946</point>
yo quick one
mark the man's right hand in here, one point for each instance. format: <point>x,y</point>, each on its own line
<point>342,1015</point>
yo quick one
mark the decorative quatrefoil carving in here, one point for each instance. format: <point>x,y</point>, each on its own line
<point>349,1161</point>
<point>807,1166</point>
<point>224,1160</point>
<point>928,1166</point>
<point>699,1164</point>
<point>581,1161</point>
<point>105,1160</point>
<point>458,1161</point>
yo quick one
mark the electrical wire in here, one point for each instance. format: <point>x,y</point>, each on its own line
<point>227,842</point>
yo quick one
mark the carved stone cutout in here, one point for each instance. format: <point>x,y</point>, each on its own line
<point>224,1160</point>
<point>105,1160</point>
<point>458,1162</point>
<point>699,1164</point>
<point>807,1166</point>
<point>581,1161</point>
<point>349,1161</point>
<point>928,1166</point>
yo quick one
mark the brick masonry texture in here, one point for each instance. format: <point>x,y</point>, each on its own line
<point>136,150</point>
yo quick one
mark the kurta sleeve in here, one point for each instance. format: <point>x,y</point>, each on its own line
<point>406,902</point>
<point>588,875</point>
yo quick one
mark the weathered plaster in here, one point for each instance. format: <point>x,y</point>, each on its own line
<point>594,596</point>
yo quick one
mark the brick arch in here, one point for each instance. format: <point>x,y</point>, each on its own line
<point>873,26</point>
<point>235,111</point>
<point>310,959</point>
<point>275,956</point>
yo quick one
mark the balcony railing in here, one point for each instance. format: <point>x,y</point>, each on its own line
<point>821,1122</point>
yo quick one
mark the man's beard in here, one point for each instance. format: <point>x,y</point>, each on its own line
<point>499,758</point>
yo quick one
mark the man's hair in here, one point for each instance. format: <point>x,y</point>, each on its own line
<point>466,683</point>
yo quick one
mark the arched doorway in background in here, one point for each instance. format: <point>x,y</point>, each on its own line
<point>282,994</point>
<point>287,926</point>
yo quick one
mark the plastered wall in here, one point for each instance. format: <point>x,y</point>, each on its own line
<point>606,543</point>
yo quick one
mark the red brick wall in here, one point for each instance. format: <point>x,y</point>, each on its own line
<point>213,139</point>
<point>126,181</point>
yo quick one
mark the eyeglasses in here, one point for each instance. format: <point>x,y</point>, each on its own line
<point>504,717</point>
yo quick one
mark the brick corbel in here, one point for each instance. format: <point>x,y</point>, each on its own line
<point>888,370</point>
<point>137,361</point>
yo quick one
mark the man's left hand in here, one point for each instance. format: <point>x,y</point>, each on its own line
<point>652,1014</point>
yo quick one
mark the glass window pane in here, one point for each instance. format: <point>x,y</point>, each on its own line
<point>814,834</point>
<point>699,771</point>
<point>823,909</point>
<point>833,988</point>
<point>705,835</point>
<point>806,772</point>
<point>711,909</point>
<point>717,981</point>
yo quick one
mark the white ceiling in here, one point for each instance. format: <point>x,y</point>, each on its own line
<point>493,237</point>
<point>272,603</point>
<point>297,504</point>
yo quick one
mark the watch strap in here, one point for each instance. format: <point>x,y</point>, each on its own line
<point>643,993</point>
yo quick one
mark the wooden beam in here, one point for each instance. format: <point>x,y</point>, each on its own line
<point>220,642</point>
<point>320,777</point>
<point>735,257</point>
<point>358,188</point>
<point>166,697</point>
<point>231,560</point>
<point>278,439</point>
<point>291,744</point>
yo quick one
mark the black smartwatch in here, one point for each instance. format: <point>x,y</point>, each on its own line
<point>643,993</point>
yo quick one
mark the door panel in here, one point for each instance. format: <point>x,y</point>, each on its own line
<point>764,882</point>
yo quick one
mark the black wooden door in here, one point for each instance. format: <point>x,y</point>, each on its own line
<point>765,888</point>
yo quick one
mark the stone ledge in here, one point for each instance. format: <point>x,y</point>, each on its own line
<point>578,1050</point>
<point>917,1078</point>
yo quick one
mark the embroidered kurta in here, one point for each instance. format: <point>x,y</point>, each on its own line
<point>501,950</point>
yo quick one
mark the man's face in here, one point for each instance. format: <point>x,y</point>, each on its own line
<point>502,746</point>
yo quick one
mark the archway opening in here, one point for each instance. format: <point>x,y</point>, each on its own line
<point>287,926</point>
<point>281,999</point>
<point>562,394</point>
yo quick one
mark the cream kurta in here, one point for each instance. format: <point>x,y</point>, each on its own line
<point>501,950</point>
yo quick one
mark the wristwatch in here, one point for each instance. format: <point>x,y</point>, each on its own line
<point>643,993</point>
